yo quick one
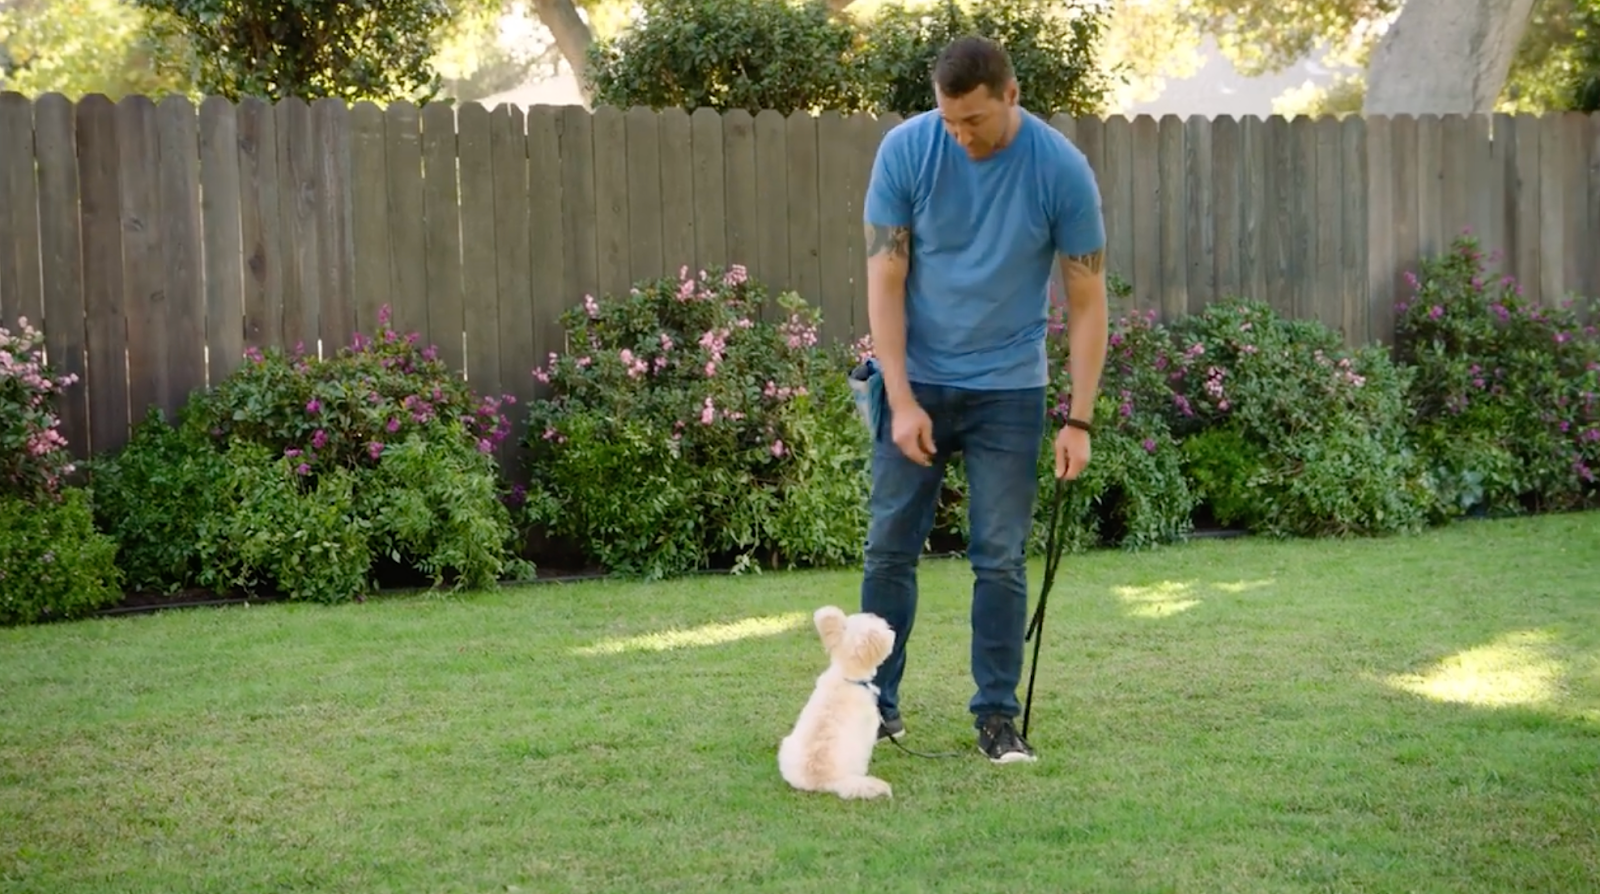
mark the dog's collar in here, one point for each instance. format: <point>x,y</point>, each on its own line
<point>864,684</point>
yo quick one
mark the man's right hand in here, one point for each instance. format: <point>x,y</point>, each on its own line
<point>913,433</point>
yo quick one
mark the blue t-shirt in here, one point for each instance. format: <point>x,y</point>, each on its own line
<point>984,237</point>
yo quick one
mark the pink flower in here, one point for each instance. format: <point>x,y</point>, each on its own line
<point>708,413</point>
<point>313,406</point>
<point>375,449</point>
<point>778,448</point>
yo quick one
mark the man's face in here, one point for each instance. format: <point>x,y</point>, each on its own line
<point>978,120</point>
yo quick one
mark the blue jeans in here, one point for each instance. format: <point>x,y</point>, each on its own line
<point>999,433</point>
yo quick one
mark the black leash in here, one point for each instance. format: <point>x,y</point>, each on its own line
<point>1052,560</point>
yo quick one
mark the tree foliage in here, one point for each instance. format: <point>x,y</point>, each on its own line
<point>345,49</point>
<point>727,54</point>
<point>79,47</point>
<point>1558,62</point>
<point>1054,46</point>
<point>1263,36</point>
<point>797,54</point>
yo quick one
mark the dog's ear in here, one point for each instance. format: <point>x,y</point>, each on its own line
<point>830,626</point>
<point>875,647</point>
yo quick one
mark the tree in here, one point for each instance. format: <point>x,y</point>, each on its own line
<point>1558,62</point>
<point>727,54</point>
<point>1054,47</point>
<point>345,49</point>
<point>79,47</point>
<point>1445,56</point>
<point>796,54</point>
<point>572,36</point>
<point>1548,70</point>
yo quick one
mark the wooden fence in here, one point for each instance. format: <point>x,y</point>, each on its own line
<point>156,240</point>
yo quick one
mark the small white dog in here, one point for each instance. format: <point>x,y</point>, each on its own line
<point>831,745</point>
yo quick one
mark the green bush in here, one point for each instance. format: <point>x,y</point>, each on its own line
<point>1054,48</point>
<point>685,430</point>
<point>158,498</point>
<point>1311,438</point>
<point>301,474</point>
<point>783,55</point>
<point>1506,393</point>
<point>54,565</point>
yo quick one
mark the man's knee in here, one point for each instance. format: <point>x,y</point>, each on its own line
<point>1001,516</point>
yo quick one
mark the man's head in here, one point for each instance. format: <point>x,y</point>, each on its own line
<point>977,93</point>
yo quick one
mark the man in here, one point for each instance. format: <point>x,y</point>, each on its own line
<point>966,211</point>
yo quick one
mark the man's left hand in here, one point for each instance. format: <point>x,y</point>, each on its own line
<point>1072,452</point>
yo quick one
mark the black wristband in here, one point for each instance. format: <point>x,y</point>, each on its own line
<point>1079,424</point>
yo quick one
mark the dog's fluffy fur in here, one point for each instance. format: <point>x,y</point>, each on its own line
<point>831,744</point>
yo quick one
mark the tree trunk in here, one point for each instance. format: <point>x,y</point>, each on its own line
<point>572,38</point>
<point>1445,57</point>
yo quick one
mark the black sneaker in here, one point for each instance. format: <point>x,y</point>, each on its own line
<point>1000,742</point>
<point>891,728</point>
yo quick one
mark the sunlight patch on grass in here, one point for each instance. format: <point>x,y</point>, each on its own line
<point>704,635</point>
<point>1515,669</point>
<point>1242,586</point>
<point>1157,600</point>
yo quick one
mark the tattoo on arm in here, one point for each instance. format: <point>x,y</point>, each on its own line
<point>893,241</point>
<point>1093,262</point>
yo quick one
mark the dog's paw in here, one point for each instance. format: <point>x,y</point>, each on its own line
<point>864,787</point>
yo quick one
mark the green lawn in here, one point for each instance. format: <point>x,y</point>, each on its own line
<point>1401,715</point>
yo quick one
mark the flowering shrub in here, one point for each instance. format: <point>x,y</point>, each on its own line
<point>344,411</point>
<point>1133,493</point>
<point>53,563</point>
<point>302,473</point>
<point>1507,393</point>
<point>1286,432</point>
<point>33,457</point>
<point>684,429</point>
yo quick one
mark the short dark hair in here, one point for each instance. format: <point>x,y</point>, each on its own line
<point>970,62</point>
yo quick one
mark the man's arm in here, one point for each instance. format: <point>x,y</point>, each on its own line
<point>888,260</point>
<point>1080,239</point>
<point>1084,276</point>
<point>886,213</point>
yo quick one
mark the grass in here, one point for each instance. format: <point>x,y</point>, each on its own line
<point>1416,714</point>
